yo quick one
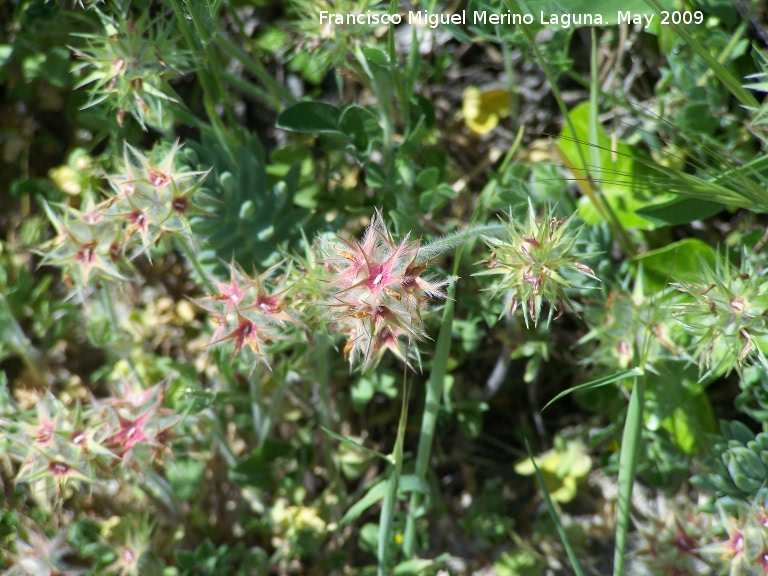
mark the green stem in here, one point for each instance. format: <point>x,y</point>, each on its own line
<point>323,373</point>
<point>255,68</point>
<point>250,89</point>
<point>434,394</point>
<point>189,253</point>
<point>109,305</point>
<point>208,74</point>
<point>383,90</point>
<point>284,380</point>
<point>385,522</point>
<point>221,442</point>
<point>256,411</point>
<point>395,461</point>
<point>630,446</point>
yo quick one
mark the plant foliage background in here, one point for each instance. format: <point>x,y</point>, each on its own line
<point>284,295</point>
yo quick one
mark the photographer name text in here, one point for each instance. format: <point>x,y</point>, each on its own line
<point>481,18</point>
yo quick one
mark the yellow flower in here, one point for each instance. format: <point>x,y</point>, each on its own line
<point>482,110</point>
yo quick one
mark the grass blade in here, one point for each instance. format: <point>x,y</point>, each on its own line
<point>374,494</point>
<point>630,443</point>
<point>352,444</point>
<point>574,559</point>
<point>393,482</point>
<point>597,383</point>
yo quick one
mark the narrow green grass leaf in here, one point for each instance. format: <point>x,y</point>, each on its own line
<point>255,68</point>
<point>739,192</point>
<point>594,108</point>
<point>574,559</point>
<point>596,384</point>
<point>630,444</point>
<point>352,444</point>
<point>374,494</point>
<point>385,521</point>
<point>393,483</point>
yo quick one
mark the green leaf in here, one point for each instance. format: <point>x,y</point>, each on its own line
<point>375,177</point>
<point>368,385</point>
<point>437,197</point>
<point>419,566</point>
<point>185,477</point>
<point>186,559</point>
<point>612,166</point>
<point>362,392</point>
<point>361,126</point>
<point>630,445</point>
<point>351,443</point>
<point>376,57</point>
<point>596,384</point>
<point>369,536</point>
<point>681,260</point>
<point>374,494</point>
<point>310,117</point>
<point>677,403</point>
<point>737,431</point>
<point>256,468</point>
<point>428,178</point>
<point>31,66</point>
<point>680,210</point>
<point>412,483</point>
<point>721,72</point>
<point>574,559</point>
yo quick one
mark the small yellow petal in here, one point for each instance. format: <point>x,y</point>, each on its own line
<point>482,124</point>
<point>495,101</point>
<point>471,102</point>
<point>483,110</point>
